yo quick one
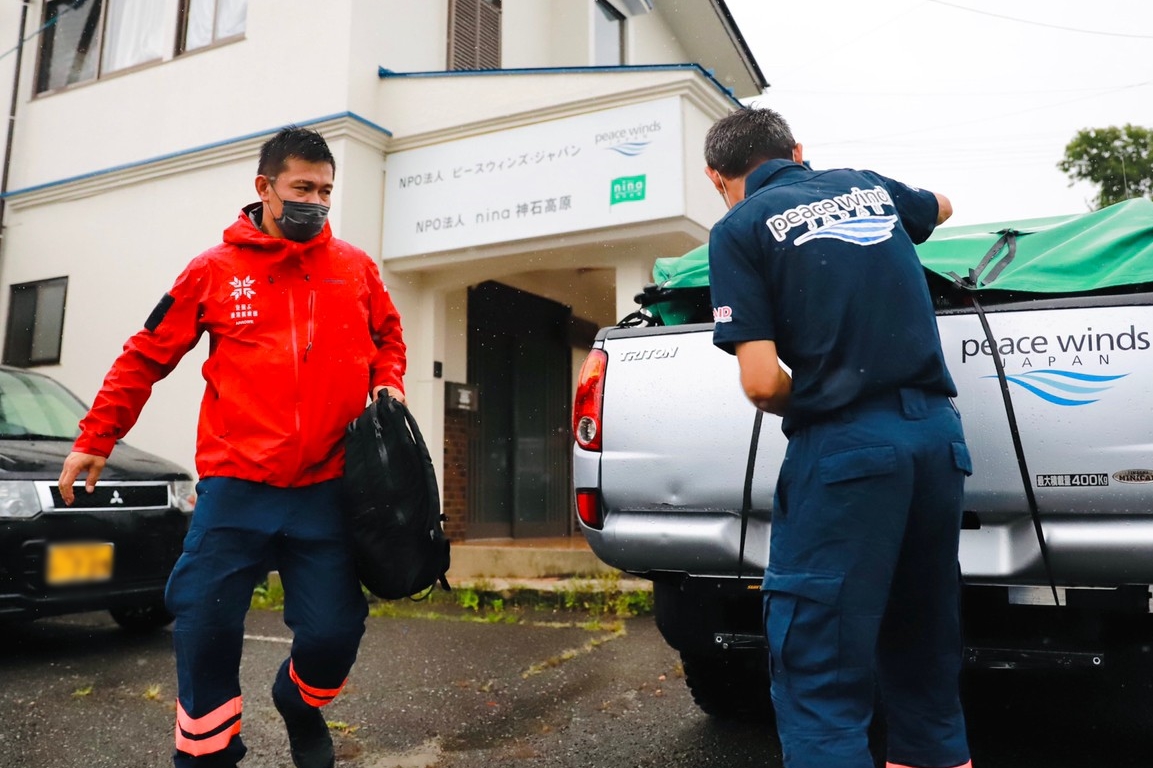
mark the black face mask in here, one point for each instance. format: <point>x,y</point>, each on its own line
<point>301,221</point>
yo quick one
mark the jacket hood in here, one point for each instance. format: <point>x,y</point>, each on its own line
<point>246,232</point>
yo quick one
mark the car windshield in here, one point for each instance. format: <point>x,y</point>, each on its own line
<point>36,407</point>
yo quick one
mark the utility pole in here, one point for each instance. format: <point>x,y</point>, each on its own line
<point>12,121</point>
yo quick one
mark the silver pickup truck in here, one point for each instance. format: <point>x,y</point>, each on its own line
<point>1047,328</point>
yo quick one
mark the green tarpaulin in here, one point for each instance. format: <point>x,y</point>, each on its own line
<point>1067,254</point>
<point>688,271</point>
<point>1063,254</point>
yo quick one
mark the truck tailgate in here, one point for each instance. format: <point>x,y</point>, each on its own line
<point>675,447</point>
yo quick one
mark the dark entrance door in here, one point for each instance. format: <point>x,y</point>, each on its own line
<point>519,357</point>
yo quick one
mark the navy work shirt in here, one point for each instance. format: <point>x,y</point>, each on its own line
<point>822,263</point>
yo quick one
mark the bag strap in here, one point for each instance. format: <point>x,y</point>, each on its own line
<point>747,500</point>
<point>1014,430</point>
<point>1008,240</point>
<point>1019,450</point>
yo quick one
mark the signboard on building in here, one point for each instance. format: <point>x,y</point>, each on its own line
<point>615,166</point>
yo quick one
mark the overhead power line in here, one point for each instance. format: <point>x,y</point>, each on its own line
<point>1040,23</point>
<point>979,93</point>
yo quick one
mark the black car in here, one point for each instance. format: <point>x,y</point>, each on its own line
<point>112,549</point>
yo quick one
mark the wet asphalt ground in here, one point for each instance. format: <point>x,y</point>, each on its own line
<point>548,690</point>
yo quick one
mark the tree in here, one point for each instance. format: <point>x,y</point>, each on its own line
<point>1119,160</point>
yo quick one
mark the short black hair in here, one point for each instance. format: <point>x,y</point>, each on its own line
<point>291,141</point>
<point>738,143</point>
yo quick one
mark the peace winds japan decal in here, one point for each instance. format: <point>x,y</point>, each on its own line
<point>1063,387</point>
<point>1052,366</point>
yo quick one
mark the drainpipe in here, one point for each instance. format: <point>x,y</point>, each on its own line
<point>12,119</point>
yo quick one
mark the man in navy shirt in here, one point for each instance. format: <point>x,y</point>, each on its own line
<point>817,270</point>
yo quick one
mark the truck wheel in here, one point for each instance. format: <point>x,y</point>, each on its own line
<point>141,618</point>
<point>729,687</point>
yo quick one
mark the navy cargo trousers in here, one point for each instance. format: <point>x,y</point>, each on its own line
<point>863,585</point>
<point>240,530</point>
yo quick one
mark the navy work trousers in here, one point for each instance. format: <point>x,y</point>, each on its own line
<point>863,585</point>
<point>241,530</point>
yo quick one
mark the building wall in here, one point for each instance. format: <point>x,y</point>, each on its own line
<point>123,180</point>
<point>454,503</point>
<point>526,39</point>
<point>402,35</point>
<point>257,83</point>
<point>570,34</point>
<point>458,424</point>
<point>648,40</point>
<point>215,94</point>
<point>702,203</point>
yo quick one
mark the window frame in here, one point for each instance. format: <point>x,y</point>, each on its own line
<point>42,75</point>
<point>620,18</point>
<point>42,48</point>
<point>101,73</point>
<point>15,335</point>
<point>183,13</point>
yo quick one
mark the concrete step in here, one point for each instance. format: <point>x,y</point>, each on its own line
<point>520,559</point>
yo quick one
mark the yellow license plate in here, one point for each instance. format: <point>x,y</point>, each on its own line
<point>78,563</point>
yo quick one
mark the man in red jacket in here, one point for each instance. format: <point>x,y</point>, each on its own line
<point>301,331</point>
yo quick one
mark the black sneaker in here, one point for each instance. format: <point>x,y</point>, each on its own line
<point>308,736</point>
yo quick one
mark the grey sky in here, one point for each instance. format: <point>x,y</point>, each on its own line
<point>975,99</point>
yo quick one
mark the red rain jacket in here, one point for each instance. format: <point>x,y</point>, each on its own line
<point>299,335</point>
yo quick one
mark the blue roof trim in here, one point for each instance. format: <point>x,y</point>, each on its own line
<point>382,72</point>
<point>191,151</point>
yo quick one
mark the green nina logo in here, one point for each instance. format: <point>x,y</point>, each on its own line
<point>628,189</point>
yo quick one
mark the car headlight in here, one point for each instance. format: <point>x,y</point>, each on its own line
<point>182,495</point>
<point>18,500</point>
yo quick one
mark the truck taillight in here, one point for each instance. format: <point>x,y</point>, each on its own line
<point>586,415</point>
<point>588,504</point>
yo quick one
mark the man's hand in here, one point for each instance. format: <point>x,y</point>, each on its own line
<point>74,465</point>
<point>396,393</point>
<point>944,208</point>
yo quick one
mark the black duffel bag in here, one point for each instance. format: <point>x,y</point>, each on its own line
<point>392,505</point>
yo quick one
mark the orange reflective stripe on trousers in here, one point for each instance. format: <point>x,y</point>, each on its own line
<point>208,733</point>
<point>316,697</point>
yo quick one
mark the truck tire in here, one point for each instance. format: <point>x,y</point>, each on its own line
<point>141,618</point>
<point>733,687</point>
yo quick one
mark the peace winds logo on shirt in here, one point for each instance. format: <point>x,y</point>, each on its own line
<point>868,230</point>
<point>857,218</point>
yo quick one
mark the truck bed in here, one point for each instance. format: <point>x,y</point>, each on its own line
<point>676,433</point>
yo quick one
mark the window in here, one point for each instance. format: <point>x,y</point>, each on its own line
<point>474,34</point>
<point>35,322</point>
<point>204,22</point>
<point>84,39</point>
<point>608,35</point>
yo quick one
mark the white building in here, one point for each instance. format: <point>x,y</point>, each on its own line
<point>515,165</point>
